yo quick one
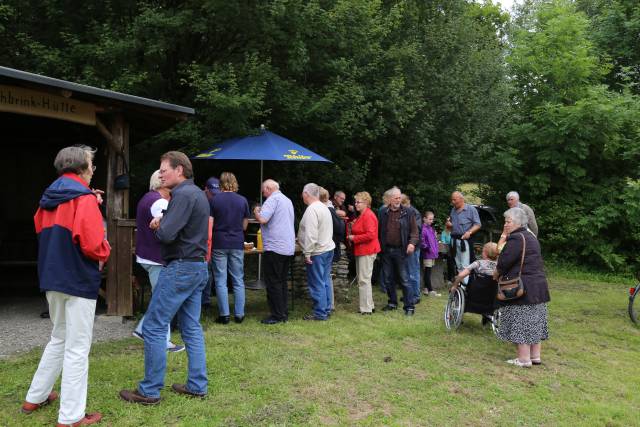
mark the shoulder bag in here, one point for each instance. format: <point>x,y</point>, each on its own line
<point>512,289</point>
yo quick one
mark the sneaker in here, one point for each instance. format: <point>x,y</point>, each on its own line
<point>28,407</point>
<point>389,307</point>
<point>434,294</point>
<point>133,396</point>
<point>425,292</point>
<point>174,348</point>
<point>182,389</point>
<point>536,361</point>
<point>312,317</point>
<point>86,421</point>
<point>137,335</point>
<point>409,312</point>
<point>517,362</point>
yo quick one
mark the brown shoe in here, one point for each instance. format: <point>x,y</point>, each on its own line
<point>28,407</point>
<point>182,389</point>
<point>87,420</point>
<point>134,396</point>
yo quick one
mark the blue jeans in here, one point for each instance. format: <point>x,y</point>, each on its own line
<point>154,273</point>
<point>412,263</point>
<point>233,261</point>
<point>393,265</point>
<point>178,291</point>
<point>206,292</point>
<point>463,259</point>
<point>319,282</point>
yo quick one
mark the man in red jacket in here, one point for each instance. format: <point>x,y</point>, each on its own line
<point>71,252</point>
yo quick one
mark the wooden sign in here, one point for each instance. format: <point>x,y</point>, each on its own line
<point>33,103</point>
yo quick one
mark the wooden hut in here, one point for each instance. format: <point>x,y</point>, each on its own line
<point>40,115</point>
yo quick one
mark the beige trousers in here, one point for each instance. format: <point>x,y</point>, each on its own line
<point>364,269</point>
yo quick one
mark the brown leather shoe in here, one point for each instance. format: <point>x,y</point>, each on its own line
<point>133,396</point>
<point>87,420</point>
<point>182,389</point>
<point>28,407</point>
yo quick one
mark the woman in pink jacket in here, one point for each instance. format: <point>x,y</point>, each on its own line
<point>364,237</point>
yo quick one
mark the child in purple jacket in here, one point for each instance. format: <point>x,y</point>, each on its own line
<point>429,245</point>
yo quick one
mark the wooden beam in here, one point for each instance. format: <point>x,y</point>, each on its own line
<point>104,131</point>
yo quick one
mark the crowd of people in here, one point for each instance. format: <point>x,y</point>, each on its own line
<point>191,244</point>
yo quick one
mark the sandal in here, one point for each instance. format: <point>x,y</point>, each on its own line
<point>517,362</point>
<point>536,361</point>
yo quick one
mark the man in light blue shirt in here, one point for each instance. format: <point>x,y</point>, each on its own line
<point>466,222</point>
<point>278,236</point>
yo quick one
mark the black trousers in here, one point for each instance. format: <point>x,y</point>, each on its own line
<point>276,268</point>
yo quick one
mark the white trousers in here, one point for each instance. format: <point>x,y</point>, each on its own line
<point>364,269</point>
<point>67,352</point>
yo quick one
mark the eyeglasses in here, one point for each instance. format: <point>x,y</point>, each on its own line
<point>359,202</point>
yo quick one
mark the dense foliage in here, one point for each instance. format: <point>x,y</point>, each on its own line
<point>425,95</point>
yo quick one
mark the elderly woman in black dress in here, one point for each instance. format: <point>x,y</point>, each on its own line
<point>523,321</point>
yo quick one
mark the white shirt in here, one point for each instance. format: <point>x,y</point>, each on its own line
<point>315,233</point>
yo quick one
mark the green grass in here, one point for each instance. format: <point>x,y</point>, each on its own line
<point>380,370</point>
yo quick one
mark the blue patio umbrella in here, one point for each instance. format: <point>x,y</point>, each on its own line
<point>264,146</point>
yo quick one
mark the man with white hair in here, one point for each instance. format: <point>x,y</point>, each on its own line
<point>513,200</point>
<point>398,236</point>
<point>465,222</point>
<point>279,239</point>
<point>315,235</point>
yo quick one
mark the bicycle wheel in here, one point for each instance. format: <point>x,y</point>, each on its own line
<point>634,309</point>
<point>454,309</point>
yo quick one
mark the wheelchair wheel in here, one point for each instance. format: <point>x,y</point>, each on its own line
<point>495,321</point>
<point>454,309</point>
<point>634,309</point>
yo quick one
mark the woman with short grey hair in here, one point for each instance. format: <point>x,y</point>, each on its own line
<point>523,321</point>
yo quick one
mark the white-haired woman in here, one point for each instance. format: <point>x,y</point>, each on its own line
<point>523,321</point>
<point>150,206</point>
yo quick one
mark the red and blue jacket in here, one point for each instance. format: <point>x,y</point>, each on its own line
<point>71,238</point>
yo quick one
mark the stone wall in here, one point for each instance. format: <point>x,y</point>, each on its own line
<point>339,274</point>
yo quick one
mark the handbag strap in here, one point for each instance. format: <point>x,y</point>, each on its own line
<point>524,248</point>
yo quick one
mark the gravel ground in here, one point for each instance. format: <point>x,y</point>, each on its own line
<point>22,329</point>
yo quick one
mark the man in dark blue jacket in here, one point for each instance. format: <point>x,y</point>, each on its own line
<point>398,236</point>
<point>183,233</point>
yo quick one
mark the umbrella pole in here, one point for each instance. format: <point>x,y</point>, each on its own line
<point>261,179</point>
<point>260,255</point>
<point>259,283</point>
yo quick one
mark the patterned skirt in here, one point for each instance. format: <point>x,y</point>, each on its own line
<point>523,324</point>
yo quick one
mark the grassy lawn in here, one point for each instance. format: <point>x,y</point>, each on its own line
<point>380,370</point>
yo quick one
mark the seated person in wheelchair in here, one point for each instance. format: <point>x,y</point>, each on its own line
<point>485,266</point>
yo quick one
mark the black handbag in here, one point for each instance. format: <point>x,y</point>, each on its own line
<point>512,289</point>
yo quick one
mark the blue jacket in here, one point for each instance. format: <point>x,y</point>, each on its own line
<point>70,238</point>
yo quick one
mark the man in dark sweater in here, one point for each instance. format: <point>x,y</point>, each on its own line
<point>182,231</point>
<point>398,235</point>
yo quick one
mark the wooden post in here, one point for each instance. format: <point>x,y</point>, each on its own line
<point>119,293</point>
<point>112,277</point>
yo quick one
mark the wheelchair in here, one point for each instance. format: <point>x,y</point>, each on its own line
<point>478,296</point>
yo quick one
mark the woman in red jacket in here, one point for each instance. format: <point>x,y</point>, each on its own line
<point>364,237</point>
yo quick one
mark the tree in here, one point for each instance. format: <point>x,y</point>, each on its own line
<point>573,150</point>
